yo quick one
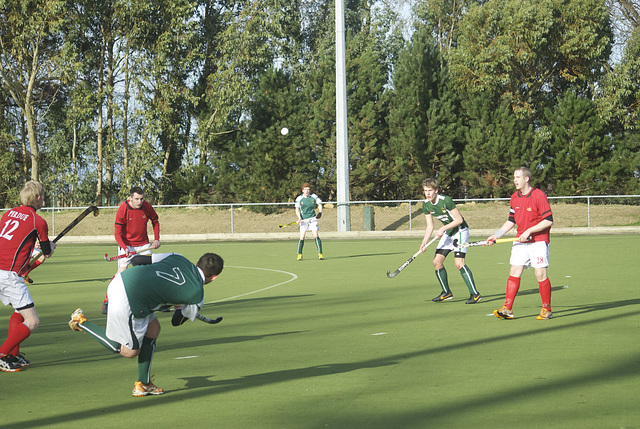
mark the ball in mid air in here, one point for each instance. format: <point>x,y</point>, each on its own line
<point>284,131</point>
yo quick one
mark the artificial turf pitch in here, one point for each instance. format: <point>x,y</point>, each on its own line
<point>335,343</point>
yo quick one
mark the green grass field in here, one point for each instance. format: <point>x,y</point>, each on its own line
<point>336,344</point>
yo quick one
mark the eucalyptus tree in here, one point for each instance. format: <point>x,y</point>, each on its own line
<point>530,52</point>
<point>31,57</point>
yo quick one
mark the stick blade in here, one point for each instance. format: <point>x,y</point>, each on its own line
<point>392,274</point>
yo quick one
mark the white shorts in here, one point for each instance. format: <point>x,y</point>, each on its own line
<point>13,290</point>
<point>310,224</point>
<point>124,262</point>
<point>527,255</point>
<point>446,241</point>
<point>122,327</point>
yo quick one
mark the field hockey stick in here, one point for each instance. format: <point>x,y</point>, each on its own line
<point>410,260</point>
<point>316,217</point>
<point>85,213</point>
<point>124,255</point>
<point>484,242</point>
<point>205,319</point>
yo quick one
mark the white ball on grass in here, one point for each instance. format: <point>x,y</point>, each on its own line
<point>284,131</point>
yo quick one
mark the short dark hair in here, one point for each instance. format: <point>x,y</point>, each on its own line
<point>211,264</point>
<point>136,190</point>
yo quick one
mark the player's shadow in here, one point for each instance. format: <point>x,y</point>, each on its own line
<point>583,309</point>
<point>367,255</point>
<point>204,342</point>
<point>267,378</point>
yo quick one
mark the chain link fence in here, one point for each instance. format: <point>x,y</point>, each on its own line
<point>257,218</point>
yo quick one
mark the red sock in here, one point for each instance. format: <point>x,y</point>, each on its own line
<point>16,319</point>
<point>545,293</point>
<point>513,284</point>
<point>18,332</point>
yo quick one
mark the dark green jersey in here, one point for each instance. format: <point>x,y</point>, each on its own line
<point>307,205</point>
<point>441,210</point>
<point>170,281</point>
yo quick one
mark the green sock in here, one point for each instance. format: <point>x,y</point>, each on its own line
<point>300,246</point>
<point>319,244</point>
<point>441,275</point>
<point>467,276</point>
<point>144,359</point>
<point>100,334</point>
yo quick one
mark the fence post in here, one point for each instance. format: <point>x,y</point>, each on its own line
<point>231,218</point>
<point>588,212</point>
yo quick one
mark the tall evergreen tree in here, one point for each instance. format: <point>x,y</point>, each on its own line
<point>497,142</point>
<point>414,84</point>
<point>580,150</point>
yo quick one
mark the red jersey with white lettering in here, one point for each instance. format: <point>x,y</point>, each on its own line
<point>528,210</point>
<point>131,225</point>
<point>19,229</point>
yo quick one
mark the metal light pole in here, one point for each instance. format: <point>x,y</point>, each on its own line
<point>342,142</point>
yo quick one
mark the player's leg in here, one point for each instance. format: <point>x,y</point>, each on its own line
<point>519,261</point>
<point>314,228</point>
<point>441,275</point>
<point>304,225</point>
<point>21,324</point>
<point>467,276</point>
<point>35,264</point>
<point>540,263</point>
<point>79,322</point>
<point>459,255</point>
<point>147,350</point>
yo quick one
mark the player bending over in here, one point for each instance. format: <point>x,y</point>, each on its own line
<point>153,283</point>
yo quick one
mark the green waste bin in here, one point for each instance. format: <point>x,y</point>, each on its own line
<point>368,221</point>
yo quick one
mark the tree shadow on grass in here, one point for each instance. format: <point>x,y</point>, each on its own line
<point>196,387</point>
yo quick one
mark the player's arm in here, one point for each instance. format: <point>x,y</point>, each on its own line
<point>120,227</point>
<point>457,220</point>
<point>155,223</point>
<point>319,215</point>
<point>298,214</point>
<point>428,231</point>
<point>184,313</point>
<point>506,227</point>
<point>540,226</point>
<point>47,248</point>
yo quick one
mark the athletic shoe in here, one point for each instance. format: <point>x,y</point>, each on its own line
<point>320,256</point>
<point>77,318</point>
<point>105,307</point>
<point>444,296</point>
<point>7,365</point>
<point>28,279</point>
<point>140,389</point>
<point>545,314</point>
<point>474,298</point>
<point>19,360</point>
<point>299,257</point>
<point>503,313</point>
